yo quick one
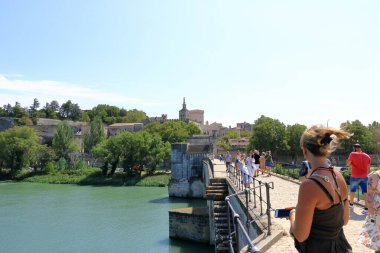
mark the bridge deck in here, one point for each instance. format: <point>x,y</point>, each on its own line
<point>285,194</point>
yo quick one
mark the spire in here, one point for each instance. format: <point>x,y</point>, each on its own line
<point>184,103</point>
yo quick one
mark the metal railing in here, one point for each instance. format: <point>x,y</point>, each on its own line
<point>240,231</point>
<point>255,190</point>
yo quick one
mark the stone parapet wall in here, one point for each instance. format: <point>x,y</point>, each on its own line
<point>185,188</point>
<point>190,224</point>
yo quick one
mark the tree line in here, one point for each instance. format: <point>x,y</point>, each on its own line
<point>271,134</point>
<point>21,147</point>
<point>70,111</point>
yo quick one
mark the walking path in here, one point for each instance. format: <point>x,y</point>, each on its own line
<point>285,194</point>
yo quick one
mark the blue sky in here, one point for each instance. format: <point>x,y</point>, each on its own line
<point>307,62</point>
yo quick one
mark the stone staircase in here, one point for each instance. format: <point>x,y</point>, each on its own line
<point>217,191</point>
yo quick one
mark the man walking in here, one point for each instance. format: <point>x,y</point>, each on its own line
<point>360,164</point>
<point>228,161</point>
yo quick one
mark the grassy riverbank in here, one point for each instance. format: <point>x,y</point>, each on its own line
<point>93,176</point>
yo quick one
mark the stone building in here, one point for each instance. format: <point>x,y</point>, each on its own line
<point>239,143</point>
<point>186,166</point>
<point>46,128</point>
<point>117,128</point>
<point>196,116</point>
<point>245,126</point>
<point>184,113</point>
<point>162,119</point>
<point>215,129</point>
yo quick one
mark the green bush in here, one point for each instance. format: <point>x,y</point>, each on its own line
<point>289,172</point>
<point>50,168</point>
<point>61,164</point>
<point>79,165</point>
<point>156,180</point>
<point>347,174</point>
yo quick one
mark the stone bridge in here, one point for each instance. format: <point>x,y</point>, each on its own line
<point>285,194</point>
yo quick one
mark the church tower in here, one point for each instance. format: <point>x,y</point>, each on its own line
<point>184,113</point>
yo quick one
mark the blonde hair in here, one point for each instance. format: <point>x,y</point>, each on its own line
<point>322,141</point>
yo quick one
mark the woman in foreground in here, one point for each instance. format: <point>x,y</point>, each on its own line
<point>322,208</point>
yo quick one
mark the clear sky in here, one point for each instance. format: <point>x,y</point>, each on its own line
<point>307,62</point>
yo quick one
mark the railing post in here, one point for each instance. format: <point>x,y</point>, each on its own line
<point>236,217</point>
<point>268,208</point>
<point>254,194</point>
<point>247,207</point>
<point>261,199</point>
<point>229,221</point>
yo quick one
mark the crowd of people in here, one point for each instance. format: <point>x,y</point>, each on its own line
<point>324,201</point>
<point>249,165</point>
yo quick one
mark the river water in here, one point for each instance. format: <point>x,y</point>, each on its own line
<point>39,218</point>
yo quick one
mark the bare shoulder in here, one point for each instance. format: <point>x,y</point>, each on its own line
<point>308,186</point>
<point>338,174</point>
<point>341,181</point>
<point>309,192</point>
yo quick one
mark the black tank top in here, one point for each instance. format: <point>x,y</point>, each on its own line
<point>326,233</point>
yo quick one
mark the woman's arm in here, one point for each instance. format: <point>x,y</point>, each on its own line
<point>344,194</point>
<point>373,180</point>
<point>301,219</point>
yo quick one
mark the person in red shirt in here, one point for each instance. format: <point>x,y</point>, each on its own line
<point>360,164</point>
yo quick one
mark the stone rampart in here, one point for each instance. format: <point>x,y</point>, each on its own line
<point>187,172</point>
<point>186,188</point>
<point>190,224</point>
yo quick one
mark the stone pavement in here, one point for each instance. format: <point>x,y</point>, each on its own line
<point>285,194</point>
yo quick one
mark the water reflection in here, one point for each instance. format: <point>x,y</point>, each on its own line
<point>67,218</point>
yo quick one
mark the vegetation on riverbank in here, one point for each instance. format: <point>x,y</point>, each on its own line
<point>94,176</point>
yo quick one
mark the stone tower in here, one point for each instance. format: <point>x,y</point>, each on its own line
<point>184,113</point>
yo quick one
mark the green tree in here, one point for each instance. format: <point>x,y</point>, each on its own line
<point>173,132</point>
<point>269,134</point>
<point>109,114</point>
<point>361,134</point>
<point>71,111</point>
<point>94,135</point>
<point>158,152</point>
<point>134,116</point>
<point>34,107</point>
<point>145,149</point>
<point>54,105</point>
<point>374,128</point>
<point>45,155</point>
<point>85,117</point>
<point>50,110</point>
<point>110,151</point>
<point>99,111</point>
<point>64,141</point>
<point>245,134</point>
<point>129,149</point>
<point>17,111</point>
<point>294,133</point>
<point>223,142</point>
<point>19,146</point>
<point>101,152</point>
